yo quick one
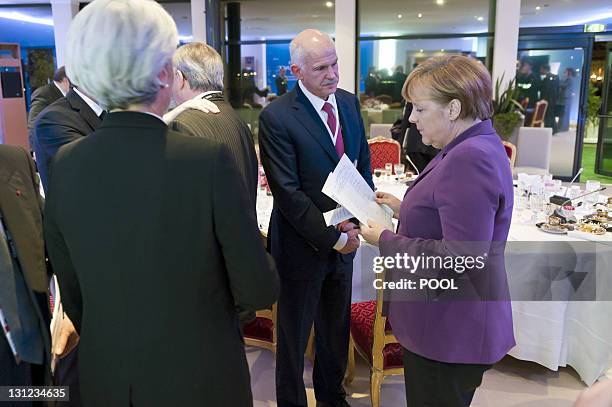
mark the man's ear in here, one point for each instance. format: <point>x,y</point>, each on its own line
<point>296,71</point>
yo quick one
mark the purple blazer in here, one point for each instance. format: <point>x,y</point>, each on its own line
<point>464,195</point>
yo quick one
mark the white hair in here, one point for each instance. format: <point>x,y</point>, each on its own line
<point>298,49</point>
<point>201,65</point>
<point>116,48</point>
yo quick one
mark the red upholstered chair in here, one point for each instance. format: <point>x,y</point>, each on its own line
<point>511,152</point>
<point>382,151</point>
<point>261,332</point>
<point>538,114</point>
<point>372,338</point>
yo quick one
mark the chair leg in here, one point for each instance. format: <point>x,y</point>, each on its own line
<point>375,382</point>
<point>310,347</point>
<point>350,370</point>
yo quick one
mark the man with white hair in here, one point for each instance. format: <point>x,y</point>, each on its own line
<point>302,136</point>
<point>199,76</point>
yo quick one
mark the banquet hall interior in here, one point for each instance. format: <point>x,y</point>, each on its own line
<point>553,58</point>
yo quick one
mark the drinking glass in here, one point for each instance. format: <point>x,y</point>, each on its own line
<point>378,172</point>
<point>389,168</point>
<point>399,170</point>
<point>592,185</point>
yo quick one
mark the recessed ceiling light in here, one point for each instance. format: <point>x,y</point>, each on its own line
<point>420,15</point>
<point>421,51</point>
<point>480,18</point>
<point>440,2</point>
<point>538,8</point>
<point>329,4</point>
<point>399,16</point>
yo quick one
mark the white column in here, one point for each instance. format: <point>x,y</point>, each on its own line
<point>63,13</point>
<point>198,20</point>
<point>505,44</point>
<point>346,18</point>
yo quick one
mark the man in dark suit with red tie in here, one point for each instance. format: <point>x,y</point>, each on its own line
<point>302,136</point>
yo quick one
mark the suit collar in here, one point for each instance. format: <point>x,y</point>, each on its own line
<point>79,105</point>
<point>484,127</point>
<point>132,119</point>
<point>309,118</point>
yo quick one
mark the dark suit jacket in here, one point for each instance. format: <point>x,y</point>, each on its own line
<point>66,120</point>
<point>229,129</point>
<point>41,98</point>
<point>21,207</point>
<point>151,239</point>
<point>298,155</point>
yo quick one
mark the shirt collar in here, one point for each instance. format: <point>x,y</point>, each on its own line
<point>94,106</point>
<point>210,92</point>
<point>316,101</point>
<point>57,85</point>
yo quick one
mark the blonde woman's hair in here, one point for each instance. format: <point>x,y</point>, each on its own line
<point>449,77</point>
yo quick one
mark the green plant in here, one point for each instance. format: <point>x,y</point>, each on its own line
<point>507,111</point>
<point>593,105</point>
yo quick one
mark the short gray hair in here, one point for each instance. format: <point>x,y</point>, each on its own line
<point>116,48</point>
<point>201,65</point>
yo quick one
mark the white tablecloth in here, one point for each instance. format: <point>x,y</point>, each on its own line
<point>550,333</point>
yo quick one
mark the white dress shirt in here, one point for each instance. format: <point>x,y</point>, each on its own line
<point>318,103</point>
<point>94,106</point>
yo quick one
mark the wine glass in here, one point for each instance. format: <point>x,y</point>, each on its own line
<point>378,172</point>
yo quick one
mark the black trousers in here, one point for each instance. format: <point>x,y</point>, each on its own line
<point>22,374</point>
<point>327,303</point>
<point>67,374</point>
<point>438,384</point>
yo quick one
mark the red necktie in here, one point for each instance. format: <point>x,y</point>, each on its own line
<point>331,123</point>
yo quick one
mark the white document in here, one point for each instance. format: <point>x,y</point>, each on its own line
<point>338,215</point>
<point>347,187</point>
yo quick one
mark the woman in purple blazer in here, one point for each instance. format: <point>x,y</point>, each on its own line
<point>459,208</point>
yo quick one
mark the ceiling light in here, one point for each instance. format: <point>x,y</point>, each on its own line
<point>329,4</point>
<point>538,8</point>
<point>442,50</point>
<point>399,16</point>
<point>420,15</point>
<point>14,15</point>
<point>480,18</point>
<point>440,2</point>
<point>421,51</point>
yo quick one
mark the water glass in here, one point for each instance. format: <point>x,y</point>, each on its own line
<point>399,170</point>
<point>573,192</point>
<point>536,203</point>
<point>389,168</point>
<point>592,185</point>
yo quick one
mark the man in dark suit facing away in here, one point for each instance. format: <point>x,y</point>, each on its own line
<point>25,346</point>
<point>199,75</point>
<point>302,136</point>
<point>66,120</point>
<point>44,96</point>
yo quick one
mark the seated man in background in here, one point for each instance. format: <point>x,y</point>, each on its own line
<point>43,96</point>
<point>25,345</point>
